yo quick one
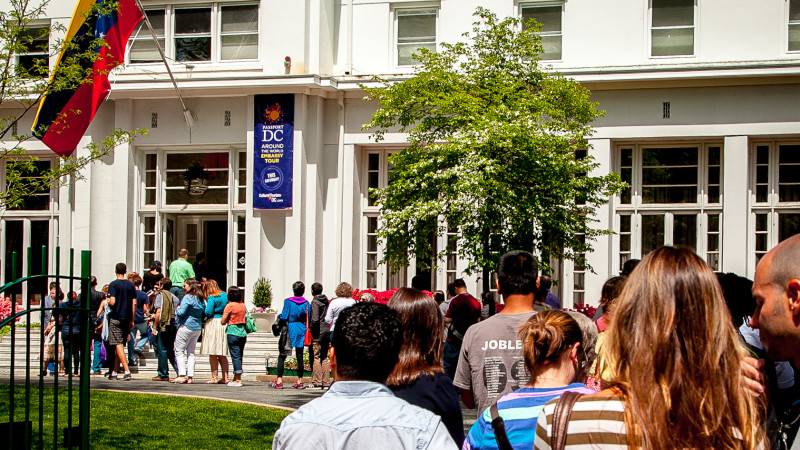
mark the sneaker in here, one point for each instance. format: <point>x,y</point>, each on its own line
<point>126,377</point>
<point>276,385</point>
<point>239,384</point>
<point>298,386</point>
<point>160,379</point>
<point>139,353</point>
<point>111,376</point>
<point>133,363</point>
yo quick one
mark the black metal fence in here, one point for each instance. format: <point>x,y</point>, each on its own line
<point>19,431</point>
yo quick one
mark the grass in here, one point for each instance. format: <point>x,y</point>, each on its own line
<point>153,421</point>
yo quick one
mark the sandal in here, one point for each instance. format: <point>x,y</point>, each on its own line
<point>188,380</point>
<point>179,380</point>
<point>223,381</point>
<point>212,381</point>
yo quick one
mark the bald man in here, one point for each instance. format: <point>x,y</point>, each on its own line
<point>776,289</point>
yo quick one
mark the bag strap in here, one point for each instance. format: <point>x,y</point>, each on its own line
<point>499,427</point>
<point>561,419</point>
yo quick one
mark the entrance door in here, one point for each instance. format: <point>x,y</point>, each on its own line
<point>207,235</point>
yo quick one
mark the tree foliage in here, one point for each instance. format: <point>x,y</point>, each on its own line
<point>22,86</point>
<point>492,141</point>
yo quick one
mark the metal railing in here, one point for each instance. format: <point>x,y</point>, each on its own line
<point>20,433</point>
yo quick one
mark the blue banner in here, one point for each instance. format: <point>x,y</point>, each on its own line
<point>273,151</point>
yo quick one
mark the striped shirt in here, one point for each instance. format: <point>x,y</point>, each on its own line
<point>597,421</point>
<point>519,411</point>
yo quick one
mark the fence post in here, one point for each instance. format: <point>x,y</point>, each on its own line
<point>55,379</point>
<point>42,366</point>
<point>28,356</point>
<point>11,413</point>
<point>84,392</point>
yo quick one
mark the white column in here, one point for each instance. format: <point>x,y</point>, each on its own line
<point>735,189</point>
<point>601,259</point>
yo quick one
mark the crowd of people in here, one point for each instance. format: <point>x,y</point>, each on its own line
<point>168,313</point>
<point>676,357</point>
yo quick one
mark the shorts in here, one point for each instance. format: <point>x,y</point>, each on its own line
<point>118,331</point>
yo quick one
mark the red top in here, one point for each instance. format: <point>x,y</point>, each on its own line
<point>237,313</point>
<point>465,312</point>
<point>602,323</point>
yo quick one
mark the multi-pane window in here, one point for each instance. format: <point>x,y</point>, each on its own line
<point>242,194</point>
<point>548,14</point>
<point>672,27</point>
<point>416,29</point>
<point>775,200</point>
<point>372,252</point>
<point>579,277</point>
<point>199,33</point>
<point>143,49</point>
<point>673,198</point>
<point>451,268</point>
<point>33,61</point>
<point>214,172</point>
<point>148,240</point>
<point>29,182</point>
<point>794,25</point>
<point>150,175</point>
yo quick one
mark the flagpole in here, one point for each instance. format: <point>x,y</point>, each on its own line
<point>186,113</point>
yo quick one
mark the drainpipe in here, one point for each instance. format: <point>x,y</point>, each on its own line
<point>350,38</point>
<point>340,186</point>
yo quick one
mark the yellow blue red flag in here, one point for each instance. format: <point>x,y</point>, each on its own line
<point>65,114</point>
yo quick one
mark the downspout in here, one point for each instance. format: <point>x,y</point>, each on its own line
<point>340,187</point>
<point>350,38</point>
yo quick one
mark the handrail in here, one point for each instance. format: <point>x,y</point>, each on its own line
<point>11,284</point>
<point>8,319</point>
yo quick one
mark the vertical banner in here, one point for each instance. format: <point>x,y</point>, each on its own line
<point>273,151</point>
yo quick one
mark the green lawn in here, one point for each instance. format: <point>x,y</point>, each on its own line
<point>153,421</point>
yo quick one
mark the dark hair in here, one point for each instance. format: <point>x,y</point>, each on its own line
<point>316,289</point>
<point>628,266</point>
<point>546,336</point>
<point>194,288</point>
<point>451,289</point>
<point>93,281</point>
<point>235,294</point>
<point>738,294</point>
<point>422,324</point>
<point>612,289</point>
<point>72,297</point>
<point>166,283</point>
<point>367,342</point>
<point>199,256</point>
<point>157,266</point>
<point>487,298</point>
<point>517,273</point>
<point>120,269</point>
<point>459,283</point>
<point>439,297</point>
<point>298,288</point>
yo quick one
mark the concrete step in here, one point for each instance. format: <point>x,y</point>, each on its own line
<point>258,344</point>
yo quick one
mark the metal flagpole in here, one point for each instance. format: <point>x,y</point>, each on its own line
<point>186,113</point>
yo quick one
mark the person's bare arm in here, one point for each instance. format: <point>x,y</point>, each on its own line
<point>225,316</point>
<point>133,314</point>
<point>101,308</point>
<point>467,398</point>
<point>112,301</point>
<point>753,375</point>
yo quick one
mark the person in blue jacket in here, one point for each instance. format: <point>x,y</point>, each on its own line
<point>294,314</point>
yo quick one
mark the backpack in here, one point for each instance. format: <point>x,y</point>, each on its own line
<point>167,310</point>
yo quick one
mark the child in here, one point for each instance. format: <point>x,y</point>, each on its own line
<point>50,348</point>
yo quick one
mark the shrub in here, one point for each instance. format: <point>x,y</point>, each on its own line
<point>262,293</point>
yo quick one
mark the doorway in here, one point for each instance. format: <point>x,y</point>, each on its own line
<point>206,235</point>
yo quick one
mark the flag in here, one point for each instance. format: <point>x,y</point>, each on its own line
<point>65,114</point>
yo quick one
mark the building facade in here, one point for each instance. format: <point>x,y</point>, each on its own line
<point>701,120</point>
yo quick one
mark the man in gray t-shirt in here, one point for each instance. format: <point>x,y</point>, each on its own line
<point>491,360</point>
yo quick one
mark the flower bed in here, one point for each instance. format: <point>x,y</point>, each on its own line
<point>379,296</point>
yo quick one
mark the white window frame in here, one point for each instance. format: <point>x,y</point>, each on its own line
<point>650,29</point>
<point>773,207</point>
<point>702,208</point>
<point>405,10</point>
<point>38,25</point>
<point>215,32</point>
<point>789,24</point>
<point>560,33</point>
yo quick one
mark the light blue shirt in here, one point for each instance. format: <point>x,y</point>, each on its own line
<point>190,313</point>
<point>215,306</point>
<point>361,414</point>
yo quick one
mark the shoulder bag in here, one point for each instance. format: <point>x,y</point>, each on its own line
<point>499,427</point>
<point>249,323</point>
<point>308,338</point>
<point>561,419</point>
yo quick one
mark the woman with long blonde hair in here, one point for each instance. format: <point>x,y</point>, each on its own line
<point>677,381</point>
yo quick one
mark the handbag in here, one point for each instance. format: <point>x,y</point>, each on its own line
<point>499,428</point>
<point>593,381</point>
<point>276,327</point>
<point>249,323</point>
<point>307,339</point>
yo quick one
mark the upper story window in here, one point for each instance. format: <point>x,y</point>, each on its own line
<point>416,29</point>
<point>672,27</point>
<point>34,59</point>
<point>794,25</point>
<point>210,33</point>
<point>549,14</point>
<point>27,178</point>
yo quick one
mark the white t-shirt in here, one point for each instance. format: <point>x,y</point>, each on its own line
<point>336,306</point>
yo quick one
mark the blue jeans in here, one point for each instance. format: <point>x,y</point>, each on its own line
<point>450,358</point>
<point>97,364</point>
<point>72,347</point>
<point>236,348</point>
<point>142,329</point>
<point>165,351</point>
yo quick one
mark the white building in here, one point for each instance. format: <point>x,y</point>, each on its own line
<point>701,119</point>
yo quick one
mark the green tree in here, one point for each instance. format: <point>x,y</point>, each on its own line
<point>492,151</point>
<point>25,52</point>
